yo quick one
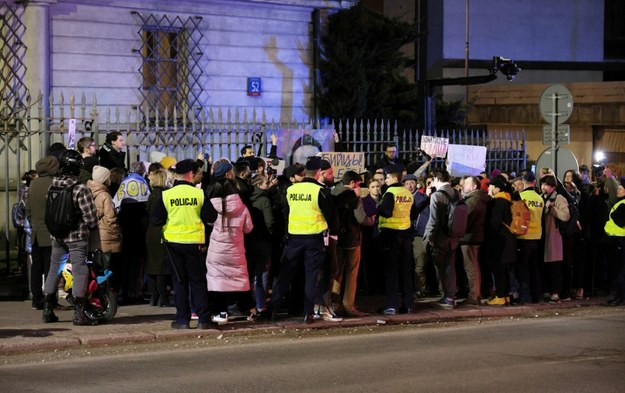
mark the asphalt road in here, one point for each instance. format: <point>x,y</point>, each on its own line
<point>582,352</point>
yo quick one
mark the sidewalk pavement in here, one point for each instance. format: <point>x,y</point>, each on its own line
<point>21,329</point>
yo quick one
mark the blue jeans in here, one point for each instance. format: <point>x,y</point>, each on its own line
<point>77,252</point>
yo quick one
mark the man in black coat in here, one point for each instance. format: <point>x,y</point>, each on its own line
<point>111,153</point>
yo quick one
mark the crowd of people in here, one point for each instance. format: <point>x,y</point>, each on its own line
<point>234,239</point>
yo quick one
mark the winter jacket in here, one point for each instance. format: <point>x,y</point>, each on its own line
<point>46,168</point>
<point>559,210</point>
<point>226,265</point>
<point>436,229</point>
<point>476,201</point>
<point>108,237</point>
<point>352,215</point>
<point>111,158</point>
<point>499,244</point>
<point>422,206</point>
<point>262,215</point>
<point>155,257</point>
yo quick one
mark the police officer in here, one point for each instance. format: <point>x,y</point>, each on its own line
<point>182,214</point>
<point>310,208</point>
<point>395,214</point>
<point>615,228</point>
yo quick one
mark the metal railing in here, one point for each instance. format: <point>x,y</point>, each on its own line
<point>26,135</point>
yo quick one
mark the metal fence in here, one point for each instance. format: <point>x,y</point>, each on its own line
<point>27,132</point>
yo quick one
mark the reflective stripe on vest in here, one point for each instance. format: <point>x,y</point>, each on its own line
<point>184,225</point>
<point>305,216</point>
<point>403,201</point>
<point>610,228</point>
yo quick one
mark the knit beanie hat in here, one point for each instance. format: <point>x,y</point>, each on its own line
<point>167,162</point>
<point>100,174</point>
<point>221,169</point>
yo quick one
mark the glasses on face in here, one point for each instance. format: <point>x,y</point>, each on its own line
<point>92,145</point>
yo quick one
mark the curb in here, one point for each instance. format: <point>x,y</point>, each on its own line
<point>44,339</point>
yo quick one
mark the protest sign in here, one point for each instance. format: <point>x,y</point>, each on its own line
<point>466,160</point>
<point>345,161</point>
<point>434,146</point>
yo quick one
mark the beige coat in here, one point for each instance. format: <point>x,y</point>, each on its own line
<point>108,238</point>
<point>553,239</point>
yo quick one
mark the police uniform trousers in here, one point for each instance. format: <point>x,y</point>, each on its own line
<point>188,271</point>
<point>310,250</point>
<point>397,267</point>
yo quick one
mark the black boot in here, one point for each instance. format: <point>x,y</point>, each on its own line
<point>48,309</point>
<point>80,319</point>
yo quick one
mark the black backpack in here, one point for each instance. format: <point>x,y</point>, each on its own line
<point>570,228</point>
<point>457,215</point>
<point>62,216</point>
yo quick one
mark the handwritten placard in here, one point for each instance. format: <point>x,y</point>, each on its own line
<point>345,161</point>
<point>466,160</point>
<point>434,146</point>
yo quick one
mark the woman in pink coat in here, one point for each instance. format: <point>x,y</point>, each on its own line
<point>226,267</point>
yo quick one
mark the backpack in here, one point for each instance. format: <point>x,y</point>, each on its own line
<point>457,216</point>
<point>569,228</point>
<point>62,216</point>
<point>520,218</point>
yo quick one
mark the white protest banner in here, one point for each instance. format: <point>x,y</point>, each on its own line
<point>434,146</point>
<point>466,160</point>
<point>345,161</point>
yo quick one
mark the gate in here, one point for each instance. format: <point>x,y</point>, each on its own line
<point>220,132</point>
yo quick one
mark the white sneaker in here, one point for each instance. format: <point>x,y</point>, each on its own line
<point>327,314</point>
<point>221,318</point>
<point>317,312</point>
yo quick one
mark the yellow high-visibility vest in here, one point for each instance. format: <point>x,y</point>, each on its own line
<point>184,225</point>
<point>610,228</point>
<point>401,209</point>
<point>536,205</point>
<point>305,216</point>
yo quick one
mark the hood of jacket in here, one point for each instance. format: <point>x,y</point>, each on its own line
<point>96,188</point>
<point>47,166</point>
<point>231,204</point>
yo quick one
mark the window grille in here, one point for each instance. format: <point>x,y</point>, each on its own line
<point>170,69</point>
<point>13,91</point>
